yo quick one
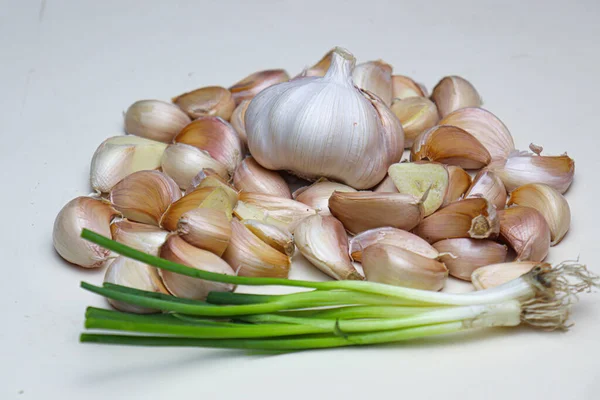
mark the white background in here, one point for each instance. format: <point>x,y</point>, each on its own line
<point>68,69</point>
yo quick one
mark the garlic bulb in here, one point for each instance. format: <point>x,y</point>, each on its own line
<point>403,87</point>
<point>416,114</point>
<point>144,196</point>
<point>120,156</point>
<point>287,212</point>
<point>208,101</point>
<point>237,121</point>
<point>422,180</point>
<point>250,176</point>
<point>393,237</point>
<point>206,197</point>
<point>253,84</point>
<point>146,238</point>
<point>376,77</point>
<point>549,202</point>
<point>134,274</point>
<point>155,119</point>
<point>462,256</point>
<point>386,186</point>
<point>208,178</point>
<point>494,275</point>
<point>183,162</point>
<point>206,229</point>
<point>393,265</point>
<point>316,127</point>
<point>79,213</point>
<point>317,195</point>
<point>453,93</point>
<point>279,239</point>
<point>488,185</point>
<point>178,250</point>
<point>526,231</point>
<point>458,183</point>
<point>323,241</point>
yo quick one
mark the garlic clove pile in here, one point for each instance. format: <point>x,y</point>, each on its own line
<point>207,178</point>
<point>120,156</point>
<point>386,186</point>
<point>82,212</point>
<point>404,87</point>
<point>238,123</point>
<point>254,83</point>
<point>526,231</point>
<point>217,137</point>
<point>287,211</point>
<point>144,196</point>
<point>143,237</point>
<point>321,67</point>
<point>416,114</point>
<point>422,180</point>
<point>488,185</point>
<point>375,77</point>
<point>549,202</point>
<point>475,218</point>
<point>206,229</point>
<point>178,250</point>
<point>452,93</point>
<point>494,275</point>
<point>206,197</point>
<point>463,256</point>
<point>183,162</point>
<point>393,237</point>
<point>279,239</point>
<point>155,119</point>
<point>393,265</point>
<point>317,195</point>
<point>250,176</point>
<point>459,182</point>
<point>214,101</point>
<point>361,211</point>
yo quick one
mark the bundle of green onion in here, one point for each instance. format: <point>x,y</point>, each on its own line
<point>332,314</point>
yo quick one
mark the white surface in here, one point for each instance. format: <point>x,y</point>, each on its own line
<point>69,68</point>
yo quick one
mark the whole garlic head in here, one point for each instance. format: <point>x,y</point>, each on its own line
<point>325,127</point>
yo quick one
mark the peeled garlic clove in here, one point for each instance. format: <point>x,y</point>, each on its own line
<point>178,250</point>
<point>321,67</point>
<point>463,256</point>
<point>207,197</point>
<point>450,145</point>
<point>134,274</point>
<point>393,237</point>
<point>79,213</point>
<point>250,176</point>
<point>386,186</point>
<point>416,114</point>
<point>376,77</point>
<point>215,136</point>
<point>526,231</point>
<point>183,162</point>
<point>207,101</point>
<point>362,211</point>
<point>494,275</point>
<point>144,196</point>
<point>458,183</point>
<point>475,218</point>
<point>485,127</point>
<point>206,229</point>
<point>317,195</point>
<point>120,156</point>
<point>250,256</point>
<point>279,239</point>
<point>254,83</point>
<point>237,121</point>
<point>287,211</point>
<point>422,180</point>
<point>523,168</point>
<point>549,202</point>
<point>488,185</point>
<point>403,87</point>
<point>155,119</point>
<point>146,238</point>
<point>393,265</point>
<point>453,93</point>
<point>207,178</point>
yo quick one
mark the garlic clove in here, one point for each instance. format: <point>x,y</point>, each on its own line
<point>459,182</point>
<point>287,211</point>
<point>321,67</point>
<point>279,239</point>
<point>322,240</point>
<point>549,202</point>
<point>452,93</point>
<point>178,250</point>
<point>317,195</point>
<point>245,211</point>
<point>82,212</point>
<point>450,145</point>
<point>526,231</point>
<point>206,229</point>
<point>386,186</point>
<point>393,265</point>
<point>475,218</point>
<point>208,178</point>
<point>146,238</point>
<point>250,256</point>
<point>422,180</point>
<point>206,197</point>
<point>144,196</point>
<point>416,114</point>
<point>213,101</point>
<point>463,256</point>
<point>403,87</point>
<point>375,77</point>
<point>183,162</point>
<point>120,156</point>
<point>393,237</point>
<point>217,137</point>
<point>254,83</point>
<point>361,211</point>
<point>523,168</point>
<point>237,121</point>
<point>250,176</point>
<point>488,185</point>
<point>494,275</point>
<point>155,119</point>
<point>134,274</point>
<point>485,127</point>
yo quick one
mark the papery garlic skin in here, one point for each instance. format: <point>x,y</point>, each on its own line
<point>316,127</point>
<point>155,120</point>
<point>462,256</point>
<point>416,114</point>
<point>238,123</point>
<point>183,162</point>
<point>213,101</point>
<point>250,176</point>
<point>254,83</point>
<point>321,67</point>
<point>488,185</point>
<point>526,231</point>
<point>207,197</point>
<point>317,195</point>
<point>206,229</point>
<point>82,212</point>
<point>459,182</point>
<point>494,275</point>
<point>279,239</point>
<point>143,237</point>
<point>404,87</point>
<point>376,77</point>
<point>390,236</point>
<point>386,186</point>
<point>452,93</point>
<point>287,211</point>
